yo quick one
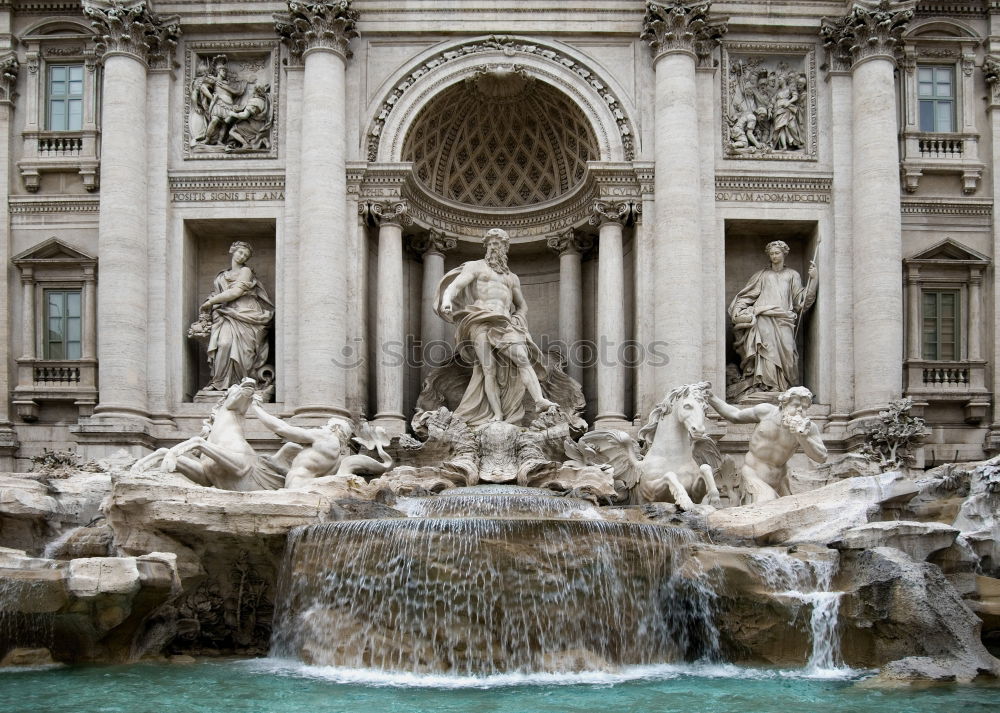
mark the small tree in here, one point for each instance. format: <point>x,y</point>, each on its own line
<point>891,439</point>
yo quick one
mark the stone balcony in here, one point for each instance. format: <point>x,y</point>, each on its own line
<point>949,381</point>
<point>73,381</point>
<point>59,152</point>
<point>951,153</point>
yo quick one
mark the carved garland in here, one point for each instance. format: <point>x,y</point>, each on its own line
<point>509,46</point>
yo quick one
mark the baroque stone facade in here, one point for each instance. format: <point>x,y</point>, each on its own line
<point>640,157</point>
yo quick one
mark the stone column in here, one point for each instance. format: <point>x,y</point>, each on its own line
<point>390,325</point>
<point>320,32</point>
<point>8,83</point>
<point>678,33</point>
<point>129,35</point>
<point>432,328</point>
<point>610,313</point>
<point>867,38</point>
<point>570,248</point>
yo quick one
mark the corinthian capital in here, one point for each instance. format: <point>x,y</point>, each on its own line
<point>131,27</point>
<point>394,212</point>
<point>9,67</point>
<point>681,26</point>
<point>327,24</point>
<point>873,28</point>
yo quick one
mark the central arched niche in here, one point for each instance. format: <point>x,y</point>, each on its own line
<point>500,139</point>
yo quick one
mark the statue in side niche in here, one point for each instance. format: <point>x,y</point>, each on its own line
<point>483,298</point>
<point>234,319</point>
<point>765,314</point>
<point>780,430</point>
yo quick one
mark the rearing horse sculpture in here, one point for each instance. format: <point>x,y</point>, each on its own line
<point>226,460</point>
<point>669,471</point>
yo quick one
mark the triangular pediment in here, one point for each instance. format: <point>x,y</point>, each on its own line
<point>950,250</point>
<point>52,250</point>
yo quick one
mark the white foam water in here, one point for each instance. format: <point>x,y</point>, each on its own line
<point>625,674</point>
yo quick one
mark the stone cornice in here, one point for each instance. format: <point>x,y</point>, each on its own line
<point>9,67</point>
<point>872,29</point>
<point>773,189</point>
<point>947,207</point>
<point>131,27</point>
<point>72,204</point>
<point>681,26</point>
<point>229,182</point>
<point>324,25</point>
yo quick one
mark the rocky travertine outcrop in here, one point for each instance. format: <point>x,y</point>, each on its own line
<point>906,613</point>
<point>919,540</point>
<point>87,609</point>
<point>36,508</point>
<point>818,516</point>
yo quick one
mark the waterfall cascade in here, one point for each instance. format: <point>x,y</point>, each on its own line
<point>482,584</point>
<point>809,583</point>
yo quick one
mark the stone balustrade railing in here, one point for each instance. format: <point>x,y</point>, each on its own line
<point>60,144</point>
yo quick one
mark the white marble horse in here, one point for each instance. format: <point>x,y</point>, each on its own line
<point>224,459</point>
<point>669,472</point>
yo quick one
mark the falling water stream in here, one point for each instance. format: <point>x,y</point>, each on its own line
<point>808,582</point>
<point>494,591</point>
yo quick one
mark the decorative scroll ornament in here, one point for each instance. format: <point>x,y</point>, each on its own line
<point>9,67</point>
<point>873,28</point>
<point>991,75</point>
<point>569,242</point>
<point>682,26</point>
<point>330,24</point>
<point>624,212</point>
<point>129,26</point>
<point>376,214</point>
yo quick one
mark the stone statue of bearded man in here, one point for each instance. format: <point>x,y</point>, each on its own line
<point>484,300</point>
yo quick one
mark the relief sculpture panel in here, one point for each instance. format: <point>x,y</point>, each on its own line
<point>769,104</point>
<point>231,100</point>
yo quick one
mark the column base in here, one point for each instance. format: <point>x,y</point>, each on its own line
<point>616,421</point>
<point>393,423</point>
<point>100,436</point>
<point>321,412</point>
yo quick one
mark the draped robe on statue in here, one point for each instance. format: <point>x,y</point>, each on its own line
<point>238,345</point>
<point>766,342</point>
<point>502,332</point>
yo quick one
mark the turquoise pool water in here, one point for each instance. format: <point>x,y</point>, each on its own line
<point>269,686</point>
